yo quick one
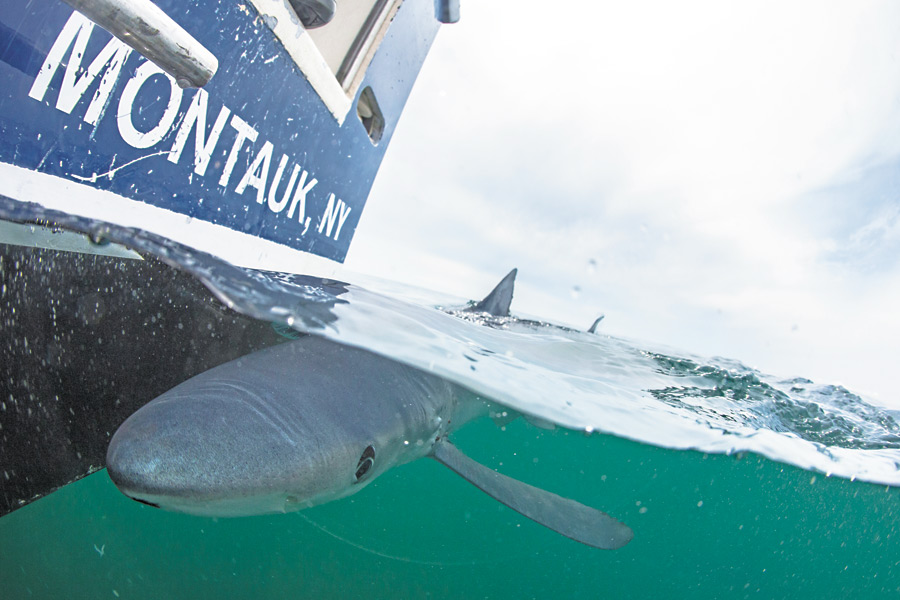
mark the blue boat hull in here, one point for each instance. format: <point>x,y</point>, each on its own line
<point>89,126</point>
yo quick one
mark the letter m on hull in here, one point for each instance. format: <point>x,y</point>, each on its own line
<point>73,40</point>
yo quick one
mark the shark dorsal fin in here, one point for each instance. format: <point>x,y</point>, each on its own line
<point>572,519</point>
<point>593,328</point>
<point>497,302</point>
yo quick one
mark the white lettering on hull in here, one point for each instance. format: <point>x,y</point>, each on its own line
<point>274,205</point>
<point>244,132</point>
<point>334,211</point>
<point>129,133</point>
<point>68,52</point>
<point>258,173</point>
<point>303,189</point>
<point>76,81</point>
<point>195,118</point>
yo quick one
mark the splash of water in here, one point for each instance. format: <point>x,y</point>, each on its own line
<point>575,379</point>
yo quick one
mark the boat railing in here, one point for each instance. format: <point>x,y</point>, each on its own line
<point>146,28</point>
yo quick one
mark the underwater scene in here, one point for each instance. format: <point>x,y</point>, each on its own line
<point>735,483</point>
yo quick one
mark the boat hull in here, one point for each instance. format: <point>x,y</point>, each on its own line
<point>255,167</point>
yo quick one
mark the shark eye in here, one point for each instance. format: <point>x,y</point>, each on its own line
<point>365,462</point>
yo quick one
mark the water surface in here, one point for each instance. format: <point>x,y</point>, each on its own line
<point>737,483</point>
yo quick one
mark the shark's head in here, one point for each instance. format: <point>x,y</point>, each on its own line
<point>277,430</point>
<point>225,450</point>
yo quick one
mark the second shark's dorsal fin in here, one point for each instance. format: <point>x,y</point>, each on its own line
<point>497,302</point>
<point>572,519</point>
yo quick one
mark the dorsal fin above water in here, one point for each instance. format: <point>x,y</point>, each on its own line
<point>593,328</point>
<point>572,519</point>
<point>497,302</point>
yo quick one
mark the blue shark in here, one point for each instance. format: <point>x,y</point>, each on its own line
<point>310,421</point>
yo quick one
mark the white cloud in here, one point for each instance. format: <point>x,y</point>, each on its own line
<point>680,147</point>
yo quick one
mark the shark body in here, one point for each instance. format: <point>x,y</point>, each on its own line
<point>310,421</point>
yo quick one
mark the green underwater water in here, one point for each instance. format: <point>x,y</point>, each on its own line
<point>706,526</point>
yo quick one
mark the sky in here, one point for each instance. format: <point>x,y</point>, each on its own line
<point>719,177</point>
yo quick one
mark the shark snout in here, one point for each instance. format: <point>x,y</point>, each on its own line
<point>213,450</point>
<point>219,448</point>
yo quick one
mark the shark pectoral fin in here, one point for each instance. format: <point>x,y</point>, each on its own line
<point>572,519</point>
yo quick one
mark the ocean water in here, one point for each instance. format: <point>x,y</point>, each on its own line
<point>706,526</point>
<point>737,484</point>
